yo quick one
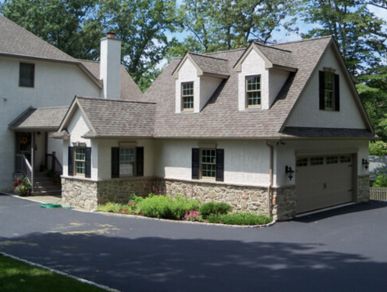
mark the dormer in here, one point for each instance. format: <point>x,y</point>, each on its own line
<point>196,79</point>
<point>262,72</point>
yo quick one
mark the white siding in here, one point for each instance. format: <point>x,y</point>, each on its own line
<point>277,79</point>
<point>56,84</point>
<point>286,155</point>
<point>306,112</point>
<point>208,85</point>
<point>245,163</point>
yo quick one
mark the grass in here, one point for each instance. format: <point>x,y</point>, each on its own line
<point>19,276</point>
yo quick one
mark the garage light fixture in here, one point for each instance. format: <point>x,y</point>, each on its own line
<point>365,163</point>
<point>289,171</point>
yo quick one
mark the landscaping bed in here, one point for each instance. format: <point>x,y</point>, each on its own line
<point>19,276</point>
<point>184,209</point>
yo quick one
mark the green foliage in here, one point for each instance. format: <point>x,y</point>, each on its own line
<point>18,276</point>
<point>381,181</point>
<point>114,208</point>
<point>239,219</point>
<point>378,148</point>
<point>166,206</point>
<point>22,186</point>
<point>214,208</point>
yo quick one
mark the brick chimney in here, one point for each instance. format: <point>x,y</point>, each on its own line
<point>110,62</point>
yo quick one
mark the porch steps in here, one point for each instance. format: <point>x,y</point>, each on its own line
<point>45,185</point>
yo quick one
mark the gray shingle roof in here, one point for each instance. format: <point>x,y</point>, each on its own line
<point>45,118</point>
<point>129,89</point>
<point>17,41</point>
<point>118,118</point>
<point>278,56</point>
<point>211,64</point>
<point>221,118</point>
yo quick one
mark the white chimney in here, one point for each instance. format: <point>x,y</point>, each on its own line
<point>110,66</point>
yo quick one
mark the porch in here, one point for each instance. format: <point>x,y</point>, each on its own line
<point>38,157</point>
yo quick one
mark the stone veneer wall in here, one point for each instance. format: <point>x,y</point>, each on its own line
<point>284,203</point>
<point>241,198</point>
<point>363,188</point>
<point>79,193</point>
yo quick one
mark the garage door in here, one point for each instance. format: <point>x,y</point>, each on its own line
<point>323,181</point>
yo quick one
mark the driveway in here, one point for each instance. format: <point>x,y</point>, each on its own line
<point>342,250</point>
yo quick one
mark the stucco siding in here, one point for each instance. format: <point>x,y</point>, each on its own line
<point>277,79</point>
<point>244,163</point>
<point>307,113</point>
<point>56,84</point>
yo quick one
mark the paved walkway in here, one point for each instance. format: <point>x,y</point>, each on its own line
<point>339,251</point>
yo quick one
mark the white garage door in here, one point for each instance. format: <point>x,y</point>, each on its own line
<point>323,181</point>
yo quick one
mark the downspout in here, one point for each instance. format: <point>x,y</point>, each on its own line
<point>270,188</point>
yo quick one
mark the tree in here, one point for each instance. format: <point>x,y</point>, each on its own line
<point>360,34</point>
<point>69,25</point>
<point>142,25</point>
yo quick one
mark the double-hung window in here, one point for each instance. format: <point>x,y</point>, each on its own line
<point>329,91</point>
<point>253,90</point>
<point>127,161</point>
<point>187,96</point>
<point>79,160</point>
<point>26,75</point>
<point>208,163</point>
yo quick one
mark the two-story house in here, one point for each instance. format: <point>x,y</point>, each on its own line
<point>278,130</point>
<point>37,84</point>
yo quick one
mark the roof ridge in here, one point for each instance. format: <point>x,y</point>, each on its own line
<point>53,107</point>
<point>115,100</point>
<point>304,40</point>
<point>90,61</point>
<point>206,56</point>
<point>226,51</point>
<point>271,47</point>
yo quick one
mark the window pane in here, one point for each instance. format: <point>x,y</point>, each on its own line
<point>79,160</point>
<point>187,94</point>
<point>127,161</point>
<point>317,160</point>
<point>329,89</point>
<point>188,102</point>
<point>332,159</point>
<point>208,162</point>
<point>302,162</point>
<point>26,75</point>
<point>253,90</point>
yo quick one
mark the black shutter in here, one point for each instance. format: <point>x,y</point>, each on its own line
<point>321,89</point>
<point>337,92</point>
<point>88,162</point>
<point>219,164</point>
<point>70,164</point>
<point>140,161</point>
<point>195,163</point>
<point>115,162</point>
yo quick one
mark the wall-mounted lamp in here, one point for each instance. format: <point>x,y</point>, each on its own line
<point>289,171</point>
<point>365,163</point>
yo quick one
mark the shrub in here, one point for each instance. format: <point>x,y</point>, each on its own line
<point>380,181</point>
<point>214,208</point>
<point>378,148</point>
<point>166,206</point>
<point>239,219</point>
<point>22,186</point>
<point>192,215</point>
<point>114,208</point>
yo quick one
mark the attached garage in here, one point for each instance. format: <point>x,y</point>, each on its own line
<point>323,181</point>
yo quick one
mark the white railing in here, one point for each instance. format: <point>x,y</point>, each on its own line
<point>23,166</point>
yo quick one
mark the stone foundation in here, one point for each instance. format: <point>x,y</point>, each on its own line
<point>363,188</point>
<point>79,193</point>
<point>241,198</point>
<point>284,203</point>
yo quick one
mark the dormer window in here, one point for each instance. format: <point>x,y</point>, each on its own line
<point>253,91</point>
<point>329,91</point>
<point>187,96</point>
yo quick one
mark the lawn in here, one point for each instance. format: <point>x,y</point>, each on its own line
<point>19,276</point>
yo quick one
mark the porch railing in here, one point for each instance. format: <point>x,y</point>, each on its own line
<point>24,167</point>
<point>53,164</point>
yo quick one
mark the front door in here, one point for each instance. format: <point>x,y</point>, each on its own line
<point>23,144</point>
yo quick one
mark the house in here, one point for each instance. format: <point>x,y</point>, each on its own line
<point>277,130</point>
<point>37,84</point>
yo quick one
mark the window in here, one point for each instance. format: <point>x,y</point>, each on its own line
<point>26,75</point>
<point>317,160</point>
<point>187,95</point>
<point>302,162</point>
<point>79,160</point>
<point>253,90</point>
<point>208,162</point>
<point>127,161</point>
<point>345,159</point>
<point>332,159</point>
<point>329,91</point>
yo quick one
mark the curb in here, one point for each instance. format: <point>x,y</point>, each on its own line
<point>82,280</point>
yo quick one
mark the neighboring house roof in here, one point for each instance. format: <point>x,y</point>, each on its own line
<point>207,64</point>
<point>113,118</point>
<point>45,118</point>
<point>129,89</point>
<point>220,118</point>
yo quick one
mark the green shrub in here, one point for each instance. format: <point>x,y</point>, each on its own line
<point>110,207</point>
<point>381,181</point>
<point>166,206</point>
<point>378,148</point>
<point>214,208</point>
<point>239,219</point>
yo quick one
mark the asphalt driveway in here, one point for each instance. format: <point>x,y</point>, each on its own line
<point>342,250</point>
